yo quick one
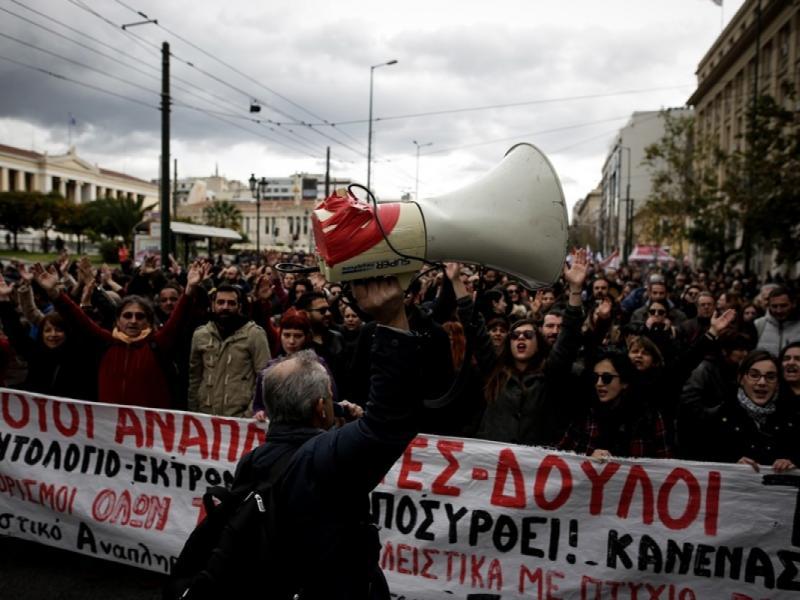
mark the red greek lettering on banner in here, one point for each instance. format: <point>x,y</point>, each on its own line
<point>409,465</point>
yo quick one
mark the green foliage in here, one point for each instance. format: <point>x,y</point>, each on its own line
<point>684,204</point>
<point>20,211</point>
<point>762,181</point>
<point>109,251</point>
<point>222,214</point>
<point>756,204</point>
<point>114,217</point>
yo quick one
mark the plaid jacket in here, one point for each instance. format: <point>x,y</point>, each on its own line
<point>644,436</point>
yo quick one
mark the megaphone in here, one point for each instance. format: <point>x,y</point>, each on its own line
<point>514,220</point>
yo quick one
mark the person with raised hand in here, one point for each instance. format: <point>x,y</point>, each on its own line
<point>135,365</point>
<point>525,386</point>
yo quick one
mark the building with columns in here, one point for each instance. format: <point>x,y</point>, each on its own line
<point>74,178</point>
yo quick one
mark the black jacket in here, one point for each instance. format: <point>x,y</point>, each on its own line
<point>530,409</point>
<point>730,434</point>
<point>69,371</point>
<point>324,513</point>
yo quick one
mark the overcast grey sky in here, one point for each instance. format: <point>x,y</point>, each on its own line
<point>576,69</point>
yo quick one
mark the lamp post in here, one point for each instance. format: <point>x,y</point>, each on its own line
<point>258,187</point>
<point>369,135</point>
<point>627,247</point>
<point>418,145</point>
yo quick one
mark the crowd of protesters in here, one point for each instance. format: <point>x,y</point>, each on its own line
<point>644,361</point>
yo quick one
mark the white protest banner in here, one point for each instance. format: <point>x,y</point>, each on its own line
<point>115,482</point>
<point>484,521</point>
<point>465,519</point>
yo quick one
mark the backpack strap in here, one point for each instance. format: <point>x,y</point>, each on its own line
<point>262,498</point>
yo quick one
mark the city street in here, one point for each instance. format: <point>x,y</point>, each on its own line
<point>30,571</point>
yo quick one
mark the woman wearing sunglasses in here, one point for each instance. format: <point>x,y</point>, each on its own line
<point>616,421</point>
<point>757,426</point>
<point>525,385</point>
<point>134,365</point>
<point>658,319</point>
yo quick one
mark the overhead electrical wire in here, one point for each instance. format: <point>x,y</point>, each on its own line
<point>75,81</point>
<point>143,103</point>
<point>498,106</point>
<point>133,67</point>
<point>154,47</point>
<point>236,70</point>
<point>75,62</point>
<point>276,127</point>
<point>520,136</point>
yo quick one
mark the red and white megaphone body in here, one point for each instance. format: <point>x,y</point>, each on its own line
<point>514,220</point>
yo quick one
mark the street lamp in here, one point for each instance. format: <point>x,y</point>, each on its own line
<point>627,247</point>
<point>259,190</point>
<point>418,145</point>
<point>369,135</point>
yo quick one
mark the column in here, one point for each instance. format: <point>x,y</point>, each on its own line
<point>45,183</point>
<point>19,184</point>
<point>62,187</point>
<point>3,179</point>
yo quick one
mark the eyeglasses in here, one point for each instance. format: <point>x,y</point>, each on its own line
<point>512,290</point>
<point>525,333</point>
<point>138,316</point>
<point>755,375</point>
<point>606,377</point>
<point>321,310</point>
<point>660,312</point>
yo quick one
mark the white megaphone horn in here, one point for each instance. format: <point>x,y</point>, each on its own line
<point>514,220</point>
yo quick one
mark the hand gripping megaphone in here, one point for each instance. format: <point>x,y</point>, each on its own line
<point>514,220</point>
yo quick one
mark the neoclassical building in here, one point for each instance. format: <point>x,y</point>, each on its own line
<point>758,52</point>
<point>74,178</point>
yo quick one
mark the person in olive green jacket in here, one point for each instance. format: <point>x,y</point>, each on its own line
<point>226,356</point>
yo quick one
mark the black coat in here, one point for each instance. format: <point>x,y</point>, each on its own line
<point>530,409</point>
<point>69,371</point>
<point>324,512</point>
<point>708,387</point>
<point>730,434</point>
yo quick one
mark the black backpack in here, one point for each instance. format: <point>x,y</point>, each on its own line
<point>235,544</point>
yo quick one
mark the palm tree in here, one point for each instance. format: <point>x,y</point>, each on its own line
<point>119,217</point>
<point>223,214</point>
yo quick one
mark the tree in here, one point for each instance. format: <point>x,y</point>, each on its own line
<point>223,214</point>
<point>114,217</point>
<point>762,181</point>
<point>77,220</point>
<point>20,211</point>
<point>685,204</point>
<point>47,212</point>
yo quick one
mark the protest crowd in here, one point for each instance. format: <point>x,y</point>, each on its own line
<point>636,361</point>
<point>654,362</point>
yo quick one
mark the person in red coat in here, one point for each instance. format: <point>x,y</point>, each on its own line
<point>134,366</point>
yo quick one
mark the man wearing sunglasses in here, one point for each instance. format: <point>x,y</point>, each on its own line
<point>327,342</point>
<point>226,356</point>
<point>657,292</point>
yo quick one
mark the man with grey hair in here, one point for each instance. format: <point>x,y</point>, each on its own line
<point>326,545</point>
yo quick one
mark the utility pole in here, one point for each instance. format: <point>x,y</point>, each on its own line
<point>175,189</point>
<point>328,172</point>
<point>165,110</point>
